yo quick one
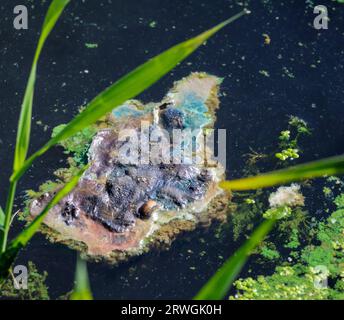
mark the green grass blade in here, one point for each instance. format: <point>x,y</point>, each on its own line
<point>24,125</point>
<point>2,219</point>
<point>7,258</point>
<point>217,287</point>
<point>315,169</point>
<point>82,289</point>
<point>128,87</point>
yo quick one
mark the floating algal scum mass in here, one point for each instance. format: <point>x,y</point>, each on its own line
<point>121,209</point>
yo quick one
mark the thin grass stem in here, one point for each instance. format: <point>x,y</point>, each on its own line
<point>8,214</point>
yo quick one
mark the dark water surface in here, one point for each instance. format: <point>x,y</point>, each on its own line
<point>305,78</point>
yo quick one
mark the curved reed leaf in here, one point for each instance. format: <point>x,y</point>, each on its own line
<point>81,289</point>
<point>128,87</point>
<point>7,258</point>
<point>315,169</point>
<point>24,126</point>
<point>217,287</point>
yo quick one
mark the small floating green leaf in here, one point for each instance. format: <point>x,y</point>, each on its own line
<point>91,45</point>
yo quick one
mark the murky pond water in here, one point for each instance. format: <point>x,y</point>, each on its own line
<point>299,73</point>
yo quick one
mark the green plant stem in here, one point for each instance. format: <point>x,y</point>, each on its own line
<point>8,214</point>
<point>82,290</point>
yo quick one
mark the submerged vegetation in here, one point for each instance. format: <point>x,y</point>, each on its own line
<point>314,271</point>
<point>36,286</point>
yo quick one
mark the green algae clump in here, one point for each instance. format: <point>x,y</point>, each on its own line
<point>318,272</point>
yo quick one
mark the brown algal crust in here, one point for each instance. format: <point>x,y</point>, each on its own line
<point>217,211</point>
